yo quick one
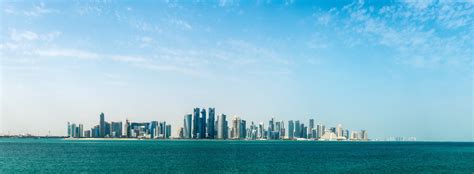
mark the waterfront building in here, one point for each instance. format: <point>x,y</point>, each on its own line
<point>187,126</point>
<point>116,129</point>
<point>354,135</point>
<point>102,125</point>
<point>235,131</point>
<point>69,131</point>
<point>211,132</point>
<point>196,122</point>
<point>363,135</point>
<point>81,131</point>
<point>181,132</point>
<point>168,131</point>
<point>95,131</point>
<point>271,126</point>
<point>311,128</point>
<point>297,132</point>
<point>319,130</point>
<point>87,133</point>
<point>282,129</point>
<point>222,126</point>
<point>153,129</point>
<point>291,129</point>
<point>128,130</point>
<point>202,131</point>
<point>242,129</point>
<point>304,131</point>
<point>107,129</point>
<point>339,130</point>
<point>261,130</point>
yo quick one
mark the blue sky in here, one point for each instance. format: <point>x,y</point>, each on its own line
<point>394,68</point>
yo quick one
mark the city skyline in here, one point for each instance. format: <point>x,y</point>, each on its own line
<point>395,68</point>
<point>196,126</point>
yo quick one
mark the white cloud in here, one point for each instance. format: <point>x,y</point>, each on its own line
<point>26,35</point>
<point>423,34</point>
<point>132,59</point>
<point>182,24</point>
<point>67,53</point>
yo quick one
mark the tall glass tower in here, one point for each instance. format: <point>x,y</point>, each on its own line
<point>222,127</point>
<point>202,132</point>
<point>196,122</point>
<point>102,126</point>
<point>210,123</point>
<point>187,125</point>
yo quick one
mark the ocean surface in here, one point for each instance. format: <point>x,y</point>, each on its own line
<point>179,156</point>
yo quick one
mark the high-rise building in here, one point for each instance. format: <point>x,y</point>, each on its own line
<point>354,135</point>
<point>102,125</point>
<point>181,132</point>
<point>210,123</point>
<point>311,127</point>
<point>282,129</point>
<point>363,135</point>
<point>304,131</point>
<point>222,126</point>
<point>319,131</point>
<point>271,125</point>
<point>291,129</point>
<point>339,130</point>
<point>127,129</point>
<point>107,129</point>
<point>187,125</point>
<point>153,129</point>
<point>81,131</point>
<point>87,133</point>
<point>116,129</point>
<point>202,132</point>
<point>167,131</point>
<point>235,131</point>
<point>243,129</point>
<point>196,122</point>
<point>297,133</point>
<point>69,129</point>
<point>261,130</point>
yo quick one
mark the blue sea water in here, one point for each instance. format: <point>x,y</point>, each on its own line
<point>179,156</point>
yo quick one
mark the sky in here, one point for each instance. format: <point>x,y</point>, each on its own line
<point>393,68</point>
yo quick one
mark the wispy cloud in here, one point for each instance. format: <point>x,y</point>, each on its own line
<point>423,33</point>
<point>67,53</point>
<point>35,11</point>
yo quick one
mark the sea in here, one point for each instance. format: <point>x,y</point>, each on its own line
<point>231,156</point>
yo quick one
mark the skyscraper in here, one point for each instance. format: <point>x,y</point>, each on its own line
<point>235,132</point>
<point>291,129</point>
<point>102,126</point>
<point>116,129</point>
<point>210,123</point>
<point>363,135</point>
<point>222,127</point>
<point>202,133</point>
<point>261,130</point>
<point>311,127</point>
<point>167,133</point>
<point>320,131</point>
<point>187,125</point>
<point>297,133</point>
<point>339,130</point>
<point>196,122</point>
<point>128,130</point>
<point>243,129</point>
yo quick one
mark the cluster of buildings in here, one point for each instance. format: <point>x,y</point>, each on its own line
<point>148,130</point>
<point>204,124</point>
